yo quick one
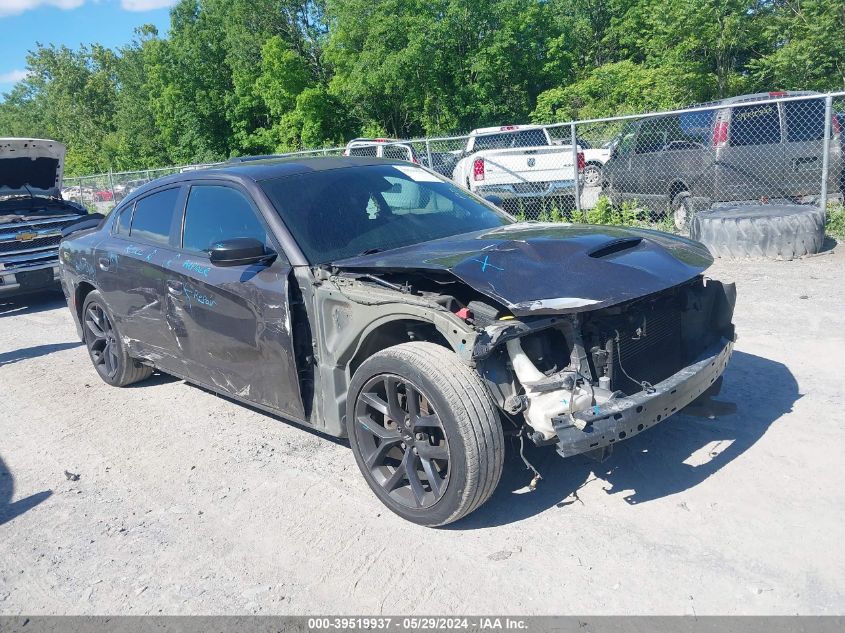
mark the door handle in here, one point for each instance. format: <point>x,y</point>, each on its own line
<point>104,263</point>
<point>175,287</point>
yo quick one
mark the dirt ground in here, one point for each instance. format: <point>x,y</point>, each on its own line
<point>186,503</point>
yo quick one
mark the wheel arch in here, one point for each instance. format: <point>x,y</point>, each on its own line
<point>83,289</point>
<point>380,334</point>
<point>677,186</point>
<point>391,331</point>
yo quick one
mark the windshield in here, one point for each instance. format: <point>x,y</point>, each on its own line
<point>341,213</point>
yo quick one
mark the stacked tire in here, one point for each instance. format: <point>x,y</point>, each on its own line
<point>782,231</point>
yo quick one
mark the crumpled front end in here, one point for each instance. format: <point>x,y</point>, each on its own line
<point>585,381</point>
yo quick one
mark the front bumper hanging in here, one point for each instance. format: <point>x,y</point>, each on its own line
<point>622,418</point>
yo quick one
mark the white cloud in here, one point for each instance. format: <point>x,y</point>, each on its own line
<point>13,76</point>
<point>14,7</point>
<point>144,5</point>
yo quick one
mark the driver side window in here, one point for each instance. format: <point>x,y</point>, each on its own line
<point>216,213</point>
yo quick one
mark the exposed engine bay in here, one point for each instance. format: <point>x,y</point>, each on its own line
<point>588,360</point>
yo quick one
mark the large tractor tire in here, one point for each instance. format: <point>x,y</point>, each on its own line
<point>772,231</point>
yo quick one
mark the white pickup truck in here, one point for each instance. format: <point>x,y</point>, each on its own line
<point>517,162</point>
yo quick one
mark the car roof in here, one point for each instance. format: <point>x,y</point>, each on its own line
<point>505,129</point>
<point>765,96</point>
<point>264,169</point>
<point>757,96</point>
<point>377,141</point>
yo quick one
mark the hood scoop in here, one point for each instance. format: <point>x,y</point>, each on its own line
<point>615,246</point>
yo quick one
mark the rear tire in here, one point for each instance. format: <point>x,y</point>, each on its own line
<point>424,433</point>
<point>105,346</point>
<point>592,175</point>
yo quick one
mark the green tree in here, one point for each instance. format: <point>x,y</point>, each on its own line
<point>137,141</point>
<point>811,50</point>
<point>613,89</point>
<point>68,95</point>
<point>419,66</point>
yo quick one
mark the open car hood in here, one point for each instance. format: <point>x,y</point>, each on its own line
<point>535,269</point>
<point>31,165</point>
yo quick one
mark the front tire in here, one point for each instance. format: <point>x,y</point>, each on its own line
<point>424,433</point>
<point>105,346</point>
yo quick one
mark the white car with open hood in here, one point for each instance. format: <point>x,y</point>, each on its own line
<point>32,213</point>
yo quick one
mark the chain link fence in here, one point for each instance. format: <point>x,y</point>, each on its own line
<point>656,168</point>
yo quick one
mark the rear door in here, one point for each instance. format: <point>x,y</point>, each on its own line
<point>529,170</point>
<point>132,271</point>
<point>232,323</point>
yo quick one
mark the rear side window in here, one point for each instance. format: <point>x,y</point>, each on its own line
<point>397,152</point>
<point>696,127</point>
<point>804,120</point>
<point>368,151</point>
<point>123,220</point>
<point>216,213</point>
<point>756,124</point>
<point>153,216</point>
<point>526,138</point>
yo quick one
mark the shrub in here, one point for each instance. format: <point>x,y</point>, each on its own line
<point>835,222</point>
<point>629,214</point>
<point>602,213</point>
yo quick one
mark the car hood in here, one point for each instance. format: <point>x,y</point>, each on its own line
<point>31,165</point>
<point>535,269</point>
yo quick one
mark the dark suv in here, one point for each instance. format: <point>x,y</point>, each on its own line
<point>379,301</point>
<point>739,149</point>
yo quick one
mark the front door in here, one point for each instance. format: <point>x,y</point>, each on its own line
<point>231,324</point>
<point>647,175</point>
<point>617,170</point>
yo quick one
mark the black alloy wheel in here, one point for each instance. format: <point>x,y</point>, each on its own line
<point>101,338</point>
<point>425,432</point>
<point>402,441</point>
<point>105,347</point>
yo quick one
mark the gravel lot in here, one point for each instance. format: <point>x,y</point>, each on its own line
<point>187,503</point>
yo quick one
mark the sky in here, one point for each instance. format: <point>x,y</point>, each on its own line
<point>70,22</point>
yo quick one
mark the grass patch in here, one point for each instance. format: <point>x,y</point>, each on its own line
<point>835,223</point>
<point>630,213</point>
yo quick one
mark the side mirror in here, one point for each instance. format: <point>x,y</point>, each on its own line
<point>494,200</point>
<point>240,251</point>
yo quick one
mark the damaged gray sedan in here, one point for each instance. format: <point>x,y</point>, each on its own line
<point>377,301</point>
